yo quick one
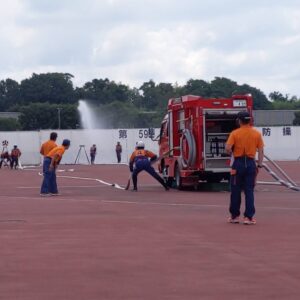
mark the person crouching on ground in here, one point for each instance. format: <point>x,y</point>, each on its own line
<point>51,161</point>
<point>244,142</point>
<point>139,161</point>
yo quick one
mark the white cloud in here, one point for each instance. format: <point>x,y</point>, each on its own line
<point>132,41</point>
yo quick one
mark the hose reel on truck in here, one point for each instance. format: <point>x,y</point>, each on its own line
<point>187,148</point>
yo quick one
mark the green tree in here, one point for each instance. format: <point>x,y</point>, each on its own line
<point>118,115</point>
<point>69,116</point>
<point>103,91</point>
<point>49,87</point>
<point>37,116</point>
<point>222,87</point>
<point>277,96</point>
<point>135,97</point>
<point>149,96</point>
<point>280,105</point>
<point>297,118</point>
<point>165,92</point>
<point>197,87</point>
<point>282,102</point>
<point>9,124</point>
<point>9,94</point>
<point>124,115</point>
<point>155,97</point>
<point>39,96</point>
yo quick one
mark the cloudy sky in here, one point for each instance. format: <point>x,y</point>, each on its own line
<point>131,41</point>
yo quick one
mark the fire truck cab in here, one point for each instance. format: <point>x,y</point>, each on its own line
<point>194,133</point>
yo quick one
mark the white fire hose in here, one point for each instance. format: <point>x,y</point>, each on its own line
<point>191,159</point>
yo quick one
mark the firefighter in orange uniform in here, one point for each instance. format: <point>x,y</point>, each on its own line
<point>243,143</point>
<point>140,160</point>
<point>49,145</point>
<point>52,160</point>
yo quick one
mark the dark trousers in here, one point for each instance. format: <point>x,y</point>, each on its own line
<point>118,156</point>
<point>49,184</point>
<point>93,155</point>
<point>244,179</point>
<point>14,162</point>
<point>145,165</point>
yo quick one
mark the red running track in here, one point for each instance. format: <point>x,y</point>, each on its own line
<point>97,242</point>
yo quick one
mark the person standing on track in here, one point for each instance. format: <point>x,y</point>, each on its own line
<point>118,151</point>
<point>52,160</point>
<point>93,152</point>
<point>140,160</point>
<point>14,157</point>
<point>243,143</point>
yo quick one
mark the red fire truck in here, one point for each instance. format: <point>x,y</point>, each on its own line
<point>194,133</point>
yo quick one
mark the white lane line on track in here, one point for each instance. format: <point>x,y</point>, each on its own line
<point>60,198</point>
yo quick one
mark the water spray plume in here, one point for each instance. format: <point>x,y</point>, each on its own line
<point>88,118</point>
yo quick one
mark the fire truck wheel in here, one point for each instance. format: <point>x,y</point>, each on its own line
<point>178,179</point>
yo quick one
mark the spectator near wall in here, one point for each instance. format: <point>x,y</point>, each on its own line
<point>93,152</point>
<point>119,152</point>
<point>14,157</point>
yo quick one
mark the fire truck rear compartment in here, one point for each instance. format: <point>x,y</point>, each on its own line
<point>217,127</point>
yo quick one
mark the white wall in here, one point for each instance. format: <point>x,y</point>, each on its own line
<point>277,146</point>
<point>282,147</point>
<point>105,141</point>
<point>29,143</point>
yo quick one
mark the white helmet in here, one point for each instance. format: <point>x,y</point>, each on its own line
<point>140,144</point>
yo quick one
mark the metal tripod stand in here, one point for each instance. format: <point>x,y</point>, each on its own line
<point>81,147</point>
